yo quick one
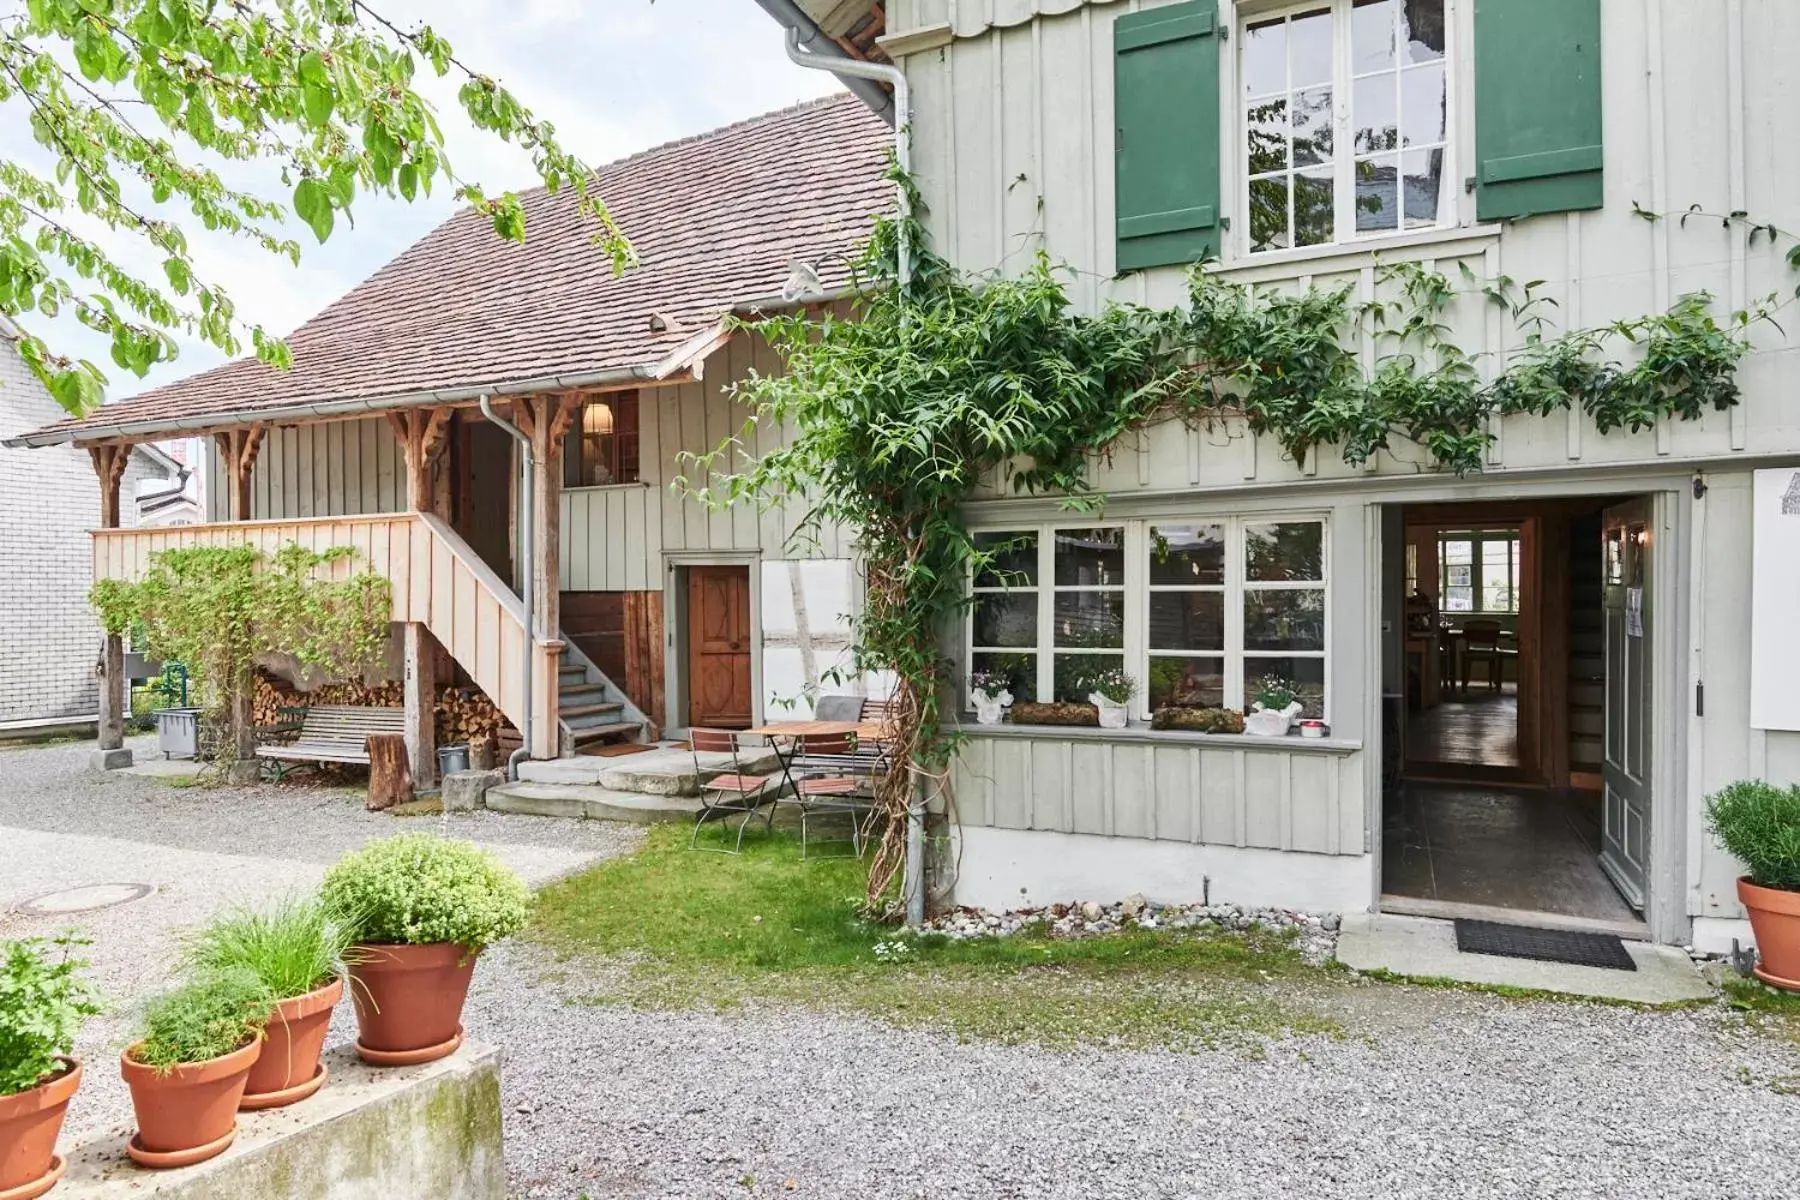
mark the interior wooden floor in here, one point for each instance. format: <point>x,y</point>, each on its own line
<point>1480,729</point>
<point>1536,850</point>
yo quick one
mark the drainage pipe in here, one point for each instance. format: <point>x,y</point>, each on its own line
<point>525,590</point>
<point>915,813</point>
<point>806,32</point>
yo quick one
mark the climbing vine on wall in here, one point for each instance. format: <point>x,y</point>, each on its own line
<point>216,608</point>
<point>900,411</point>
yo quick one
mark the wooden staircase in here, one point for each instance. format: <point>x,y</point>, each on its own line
<point>1587,658</point>
<point>591,710</point>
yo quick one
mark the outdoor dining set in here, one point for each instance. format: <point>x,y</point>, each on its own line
<point>827,767</point>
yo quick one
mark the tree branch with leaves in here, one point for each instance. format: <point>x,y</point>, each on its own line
<point>129,99</point>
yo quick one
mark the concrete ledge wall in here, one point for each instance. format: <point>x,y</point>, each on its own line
<point>413,1133</point>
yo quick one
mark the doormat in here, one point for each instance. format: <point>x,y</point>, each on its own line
<point>1545,945</point>
<point>616,750</point>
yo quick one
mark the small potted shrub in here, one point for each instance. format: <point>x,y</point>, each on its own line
<point>991,692</point>
<point>297,950</point>
<point>1110,689</point>
<point>1759,823</point>
<point>1274,709</point>
<point>420,909</point>
<point>44,998</point>
<point>187,1073</point>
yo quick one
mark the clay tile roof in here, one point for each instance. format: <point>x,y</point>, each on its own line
<point>715,220</point>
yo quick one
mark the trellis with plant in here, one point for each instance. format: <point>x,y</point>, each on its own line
<point>216,608</point>
<point>903,410</point>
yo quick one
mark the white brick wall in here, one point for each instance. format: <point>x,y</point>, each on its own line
<point>49,499</point>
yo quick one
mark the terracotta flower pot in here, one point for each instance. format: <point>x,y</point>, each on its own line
<point>1775,919</point>
<point>288,1069</point>
<point>187,1114</point>
<point>409,1001</point>
<point>29,1123</point>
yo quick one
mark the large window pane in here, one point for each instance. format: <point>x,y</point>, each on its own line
<point>1266,124</point>
<point>1019,669</point>
<point>1378,193</point>
<point>1265,58</point>
<point>1305,676</point>
<point>1013,559</point>
<point>1006,619</point>
<point>1095,619</point>
<point>1187,554</point>
<point>1186,682</point>
<point>1422,105</point>
<point>1372,36</point>
<point>1422,30</point>
<point>1188,621</point>
<point>1312,128</point>
<point>1277,552</point>
<point>1309,49</point>
<point>1075,672</point>
<point>1090,557</point>
<point>1315,210</point>
<point>1290,619</point>
<point>1375,119</point>
<point>1424,184</point>
<point>1269,213</point>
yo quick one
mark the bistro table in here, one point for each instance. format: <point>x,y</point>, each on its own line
<point>788,740</point>
<point>795,733</point>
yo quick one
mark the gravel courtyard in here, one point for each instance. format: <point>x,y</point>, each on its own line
<point>1428,1093</point>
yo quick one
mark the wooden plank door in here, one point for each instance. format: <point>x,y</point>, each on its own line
<point>1625,770</point>
<point>719,647</point>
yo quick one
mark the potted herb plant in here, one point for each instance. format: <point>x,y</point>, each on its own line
<point>1110,689</point>
<point>1759,823</point>
<point>420,909</point>
<point>297,950</point>
<point>187,1073</point>
<point>1274,709</point>
<point>991,692</point>
<point>44,998</point>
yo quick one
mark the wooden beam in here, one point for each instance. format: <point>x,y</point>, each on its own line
<point>420,698</point>
<point>238,449</point>
<point>422,434</point>
<point>109,466</point>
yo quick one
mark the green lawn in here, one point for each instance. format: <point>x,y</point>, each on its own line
<point>681,928</point>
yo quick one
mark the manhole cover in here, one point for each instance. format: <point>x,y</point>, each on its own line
<point>85,899</point>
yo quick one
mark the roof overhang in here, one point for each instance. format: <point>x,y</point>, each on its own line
<point>684,362</point>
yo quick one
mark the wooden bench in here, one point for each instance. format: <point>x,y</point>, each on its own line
<point>334,733</point>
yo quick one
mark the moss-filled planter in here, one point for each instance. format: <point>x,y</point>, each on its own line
<point>1198,720</point>
<point>1028,712</point>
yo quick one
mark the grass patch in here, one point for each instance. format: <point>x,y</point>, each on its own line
<point>703,929</point>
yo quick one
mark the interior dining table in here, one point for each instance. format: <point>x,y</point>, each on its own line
<point>1451,641</point>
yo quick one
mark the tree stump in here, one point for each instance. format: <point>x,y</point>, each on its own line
<point>390,772</point>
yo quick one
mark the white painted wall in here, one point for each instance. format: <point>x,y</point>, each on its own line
<point>1019,868</point>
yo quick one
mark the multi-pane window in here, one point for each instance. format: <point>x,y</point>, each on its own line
<point>1479,571</point>
<point>603,448</point>
<point>1198,612</point>
<point>1346,118</point>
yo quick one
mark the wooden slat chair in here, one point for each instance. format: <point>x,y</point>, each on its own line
<point>831,778</point>
<point>730,793</point>
<point>333,733</point>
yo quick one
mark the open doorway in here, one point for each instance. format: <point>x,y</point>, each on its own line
<point>1508,666</point>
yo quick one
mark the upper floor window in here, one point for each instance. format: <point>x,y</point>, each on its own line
<point>603,448</point>
<point>1346,119</point>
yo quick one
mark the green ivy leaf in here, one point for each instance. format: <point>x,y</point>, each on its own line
<point>312,204</point>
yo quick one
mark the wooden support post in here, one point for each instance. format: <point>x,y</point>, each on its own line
<point>238,449</point>
<point>420,694</point>
<point>109,465</point>
<point>390,776</point>
<point>422,434</point>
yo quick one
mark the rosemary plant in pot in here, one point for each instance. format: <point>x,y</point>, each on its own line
<point>297,950</point>
<point>187,1073</point>
<point>1759,823</point>
<point>44,998</point>
<point>420,908</point>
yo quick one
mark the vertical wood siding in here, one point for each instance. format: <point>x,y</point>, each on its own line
<point>1014,150</point>
<point>614,538</point>
<point>1279,798</point>
<point>327,469</point>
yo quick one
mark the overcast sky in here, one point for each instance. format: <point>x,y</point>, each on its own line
<point>614,76</point>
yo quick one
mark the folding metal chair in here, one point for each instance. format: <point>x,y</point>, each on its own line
<point>729,793</point>
<point>838,708</point>
<point>830,778</point>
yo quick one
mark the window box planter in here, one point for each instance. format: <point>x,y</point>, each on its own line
<point>1027,712</point>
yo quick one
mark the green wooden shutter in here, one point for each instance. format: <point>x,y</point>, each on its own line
<point>1537,107</point>
<point>1166,117</point>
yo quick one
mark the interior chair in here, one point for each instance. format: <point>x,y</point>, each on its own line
<point>1481,641</point>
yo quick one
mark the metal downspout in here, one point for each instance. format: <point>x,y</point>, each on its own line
<point>804,31</point>
<point>526,536</point>
<point>915,815</point>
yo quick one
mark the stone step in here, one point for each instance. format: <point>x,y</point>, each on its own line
<point>582,693</point>
<point>660,772</point>
<point>589,802</point>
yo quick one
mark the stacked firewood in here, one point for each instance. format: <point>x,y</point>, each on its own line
<point>467,715</point>
<point>274,693</point>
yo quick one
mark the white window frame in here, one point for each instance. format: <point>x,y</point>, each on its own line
<point>1477,538</point>
<point>1344,152</point>
<point>1240,671</point>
